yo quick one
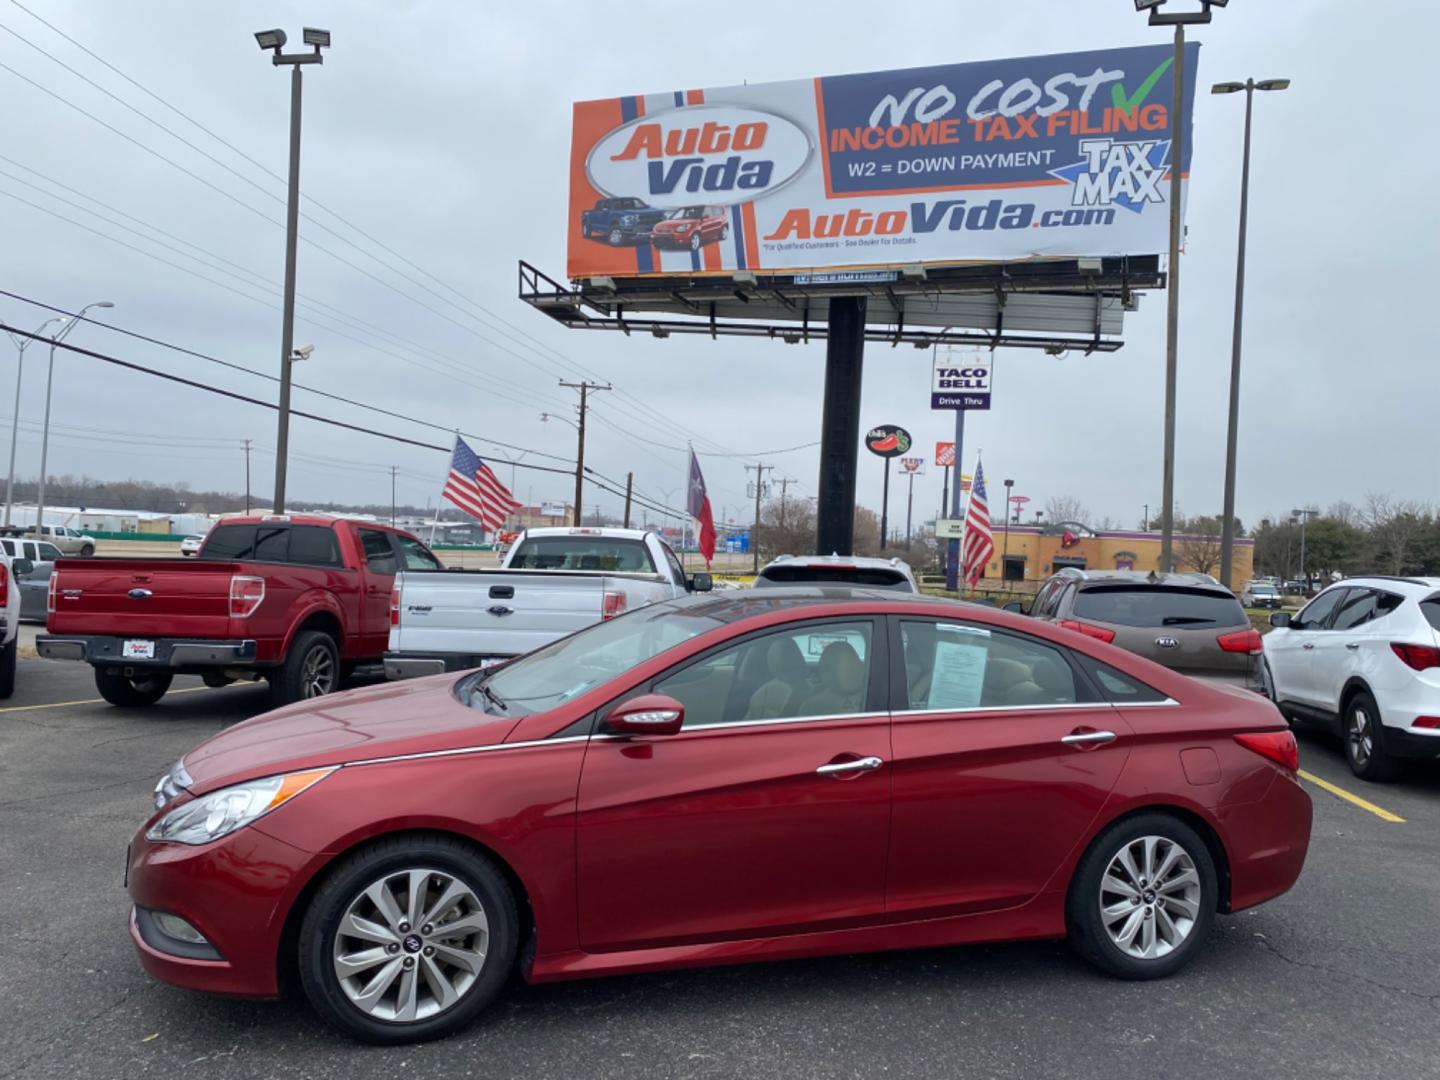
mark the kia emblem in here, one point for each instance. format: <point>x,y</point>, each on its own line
<point>1167,643</point>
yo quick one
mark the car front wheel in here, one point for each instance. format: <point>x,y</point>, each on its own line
<point>408,940</point>
<point>1368,759</point>
<point>1143,898</point>
<point>616,237</point>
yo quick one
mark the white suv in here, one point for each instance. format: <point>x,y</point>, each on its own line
<point>1364,658</point>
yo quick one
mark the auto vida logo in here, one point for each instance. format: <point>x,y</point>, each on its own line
<point>701,154</point>
<point>1167,643</point>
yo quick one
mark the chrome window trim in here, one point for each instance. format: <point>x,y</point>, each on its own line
<point>1053,706</point>
<point>700,728</point>
<point>460,750</point>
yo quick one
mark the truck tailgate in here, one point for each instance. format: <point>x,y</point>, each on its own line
<point>142,597</point>
<point>493,613</point>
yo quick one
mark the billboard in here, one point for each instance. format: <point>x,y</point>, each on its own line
<point>993,161</point>
<point>960,383</point>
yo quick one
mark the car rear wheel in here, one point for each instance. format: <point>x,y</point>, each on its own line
<point>87,550</point>
<point>1368,759</point>
<point>132,691</point>
<point>311,669</point>
<point>408,940</point>
<point>1143,898</point>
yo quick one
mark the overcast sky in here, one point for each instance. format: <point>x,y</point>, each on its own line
<point>442,130</point>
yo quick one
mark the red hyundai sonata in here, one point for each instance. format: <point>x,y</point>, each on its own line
<point>716,779</point>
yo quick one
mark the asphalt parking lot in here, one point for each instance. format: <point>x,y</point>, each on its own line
<point>1339,978</point>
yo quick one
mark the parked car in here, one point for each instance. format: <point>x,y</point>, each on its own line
<point>67,540</point>
<point>720,779</point>
<point>1363,659</point>
<point>9,621</point>
<point>1179,620</point>
<point>841,569</point>
<point>552,582</point>
<point>190,546</point>
<point>1261,594</point>
<point>625,220</point>
<point>301,600</point>
<point>692,227</point>
<point>33,550</point>
<point>33,581</point>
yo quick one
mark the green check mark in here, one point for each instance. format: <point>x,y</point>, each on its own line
<point>1117,91</point>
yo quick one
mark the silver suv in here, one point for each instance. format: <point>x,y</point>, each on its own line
<point>1183,621</point>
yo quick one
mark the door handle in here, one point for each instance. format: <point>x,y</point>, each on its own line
<point>1088,738</point>
<point>1352,645</point>
<point>864,764</point>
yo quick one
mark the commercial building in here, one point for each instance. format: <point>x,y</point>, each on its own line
<point>1031,553</point>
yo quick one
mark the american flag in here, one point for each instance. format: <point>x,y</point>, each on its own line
<point>473,487</point>
<point>977,545</point>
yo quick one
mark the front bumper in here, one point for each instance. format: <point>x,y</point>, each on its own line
<point>170,653</point>
<point>235,891</point>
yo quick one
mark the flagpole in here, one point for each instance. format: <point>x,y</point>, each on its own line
<point>436,521</point>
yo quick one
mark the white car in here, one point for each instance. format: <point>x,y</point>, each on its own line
<point>190,546</point>
<point>1257,594</point>
<point>1363,657</point>
<point>863,570</point>
<point>9,620</point>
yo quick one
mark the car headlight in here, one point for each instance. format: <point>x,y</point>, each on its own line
<point>169,786</point>
<point>628,219</point>
<point>222,812</point>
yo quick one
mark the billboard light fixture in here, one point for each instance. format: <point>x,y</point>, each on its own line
<point>602,282</point>
<point>913,272</point>
<point>744,277</point>
<point>1090,264</point>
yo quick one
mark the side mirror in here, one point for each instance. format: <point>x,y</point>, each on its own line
<point>1015,606</point>
<point>1280,618</point>
<point>701,582</point>
<point>21,567</point>
<point>648,714</point>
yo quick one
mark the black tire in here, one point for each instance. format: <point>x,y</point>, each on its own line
<point>7,667</point>
<point>1366,755</point>
<point>615,236</point>
<point>216,679</point>
<point>724,232</point>
<point>346,884</point>
<point>1087,930</point>
<point>295,679</point>
<point>132,691</point>
<point>87,550</point>
<point>695,242</point>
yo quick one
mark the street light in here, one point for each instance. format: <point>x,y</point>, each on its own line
<point>579,462</point>
<point>1304,516</point>
<point>21,343</point>
<point>1179,20</point>
<point>1227,524</point>
<point>45,433</point>
<point>274,40</point>
<point>1005,555</point>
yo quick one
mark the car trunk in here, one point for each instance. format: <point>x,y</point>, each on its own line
<point>1175,626</point>
<point>143,597</point>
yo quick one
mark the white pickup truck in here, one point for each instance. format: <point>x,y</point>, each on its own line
<point>551,583</point>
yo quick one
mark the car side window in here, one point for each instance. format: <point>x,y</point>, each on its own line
<point>1317,613</point>
<point>1117,687</point>
<point>955,665</point>
<point>379,555</point>
<point>1356,609</point>
<point>675,566</point>
<point>47,553</point>
<point>9,546</point>
<point>415,555</point>
<point>1041,607</point>
<point>819,669</point>
<point>313,545</point>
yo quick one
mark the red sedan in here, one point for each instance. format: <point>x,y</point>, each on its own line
<point>716,779</point>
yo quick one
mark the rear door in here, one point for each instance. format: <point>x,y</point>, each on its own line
<point>1355,644</point>
<point>1175,625</point>
<point>1003,757</point>
<point>377,578</point>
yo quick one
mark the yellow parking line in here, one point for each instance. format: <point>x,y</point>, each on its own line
<point>90,701</point>
<point>1382,814</point>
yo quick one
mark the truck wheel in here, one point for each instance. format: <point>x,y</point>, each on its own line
<point>311,669</point>
<point>87,550</point>
<point>7,667</point>
<point>132,691</point>
<point>616,236</point>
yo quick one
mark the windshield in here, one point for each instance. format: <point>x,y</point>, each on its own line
<point>1158,605</point>
<point>582,553</point>
<point>1263,590</point>
<point>553,675</point>
<point>686,213</point>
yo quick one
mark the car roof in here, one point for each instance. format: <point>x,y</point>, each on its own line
<point>605,532</point>
<point>304,519</point>
<point>1141,578</point>
<point>867,561</point>
<point>735,605</point>
<point>1417,584</point>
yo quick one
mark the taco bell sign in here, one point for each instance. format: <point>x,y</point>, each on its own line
<point>960,383</point>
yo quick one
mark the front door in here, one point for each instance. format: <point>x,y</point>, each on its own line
<point>1292,655</point>
<point>1002,761</point>
<point>767,814</point>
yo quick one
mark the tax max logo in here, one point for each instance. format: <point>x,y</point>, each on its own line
<point>1124,174</point>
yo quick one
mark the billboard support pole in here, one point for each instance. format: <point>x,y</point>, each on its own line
<point>1172,290</point>
<point>945,492</point>
<point>840,426</point>
<point>885,504</point>
<point>952,562</point>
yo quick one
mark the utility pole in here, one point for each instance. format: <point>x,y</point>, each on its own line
<point>247,475</point>
<point>584,388</point>
<point>909,510</point>
<point>629,489</point>
<point>393,470</point>
<point>275,40</point>
<point>760,471</point>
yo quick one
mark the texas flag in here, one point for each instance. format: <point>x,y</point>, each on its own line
<point>698,504</point>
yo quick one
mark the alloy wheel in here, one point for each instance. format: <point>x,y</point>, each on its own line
<point>1150,897</point>
<point>317,675</point>
<point>411,945</point>
<point>1360,735</point>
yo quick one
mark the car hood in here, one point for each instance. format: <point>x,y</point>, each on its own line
<point>675,225</point>
<point>409,717</point>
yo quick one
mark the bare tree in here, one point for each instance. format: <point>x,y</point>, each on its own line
<point>1064,508</point>
<point>1198,543</point>
<point>1396,529</point>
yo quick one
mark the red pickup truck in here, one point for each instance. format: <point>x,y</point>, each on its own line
<point>301,600</point>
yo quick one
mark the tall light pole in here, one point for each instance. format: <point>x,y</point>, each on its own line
<point>45,433</point>
<point>275,41</point>
<point>1304,516</point>
<point>1227,524</point>
<point>21,343</point>
<point>1179,20</point>
<point>1009,484</point>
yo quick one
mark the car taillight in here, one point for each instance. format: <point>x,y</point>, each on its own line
<point>246,592</point>
<point>1418,657</point>
<point>52,592</point>
<point>1097,632</point>
<point>4,584</point>
<point>1246,641</point>
<point>614,604</point>
<point>1279,746</point>
<point>395,606</point>
<point>1426,722</point>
